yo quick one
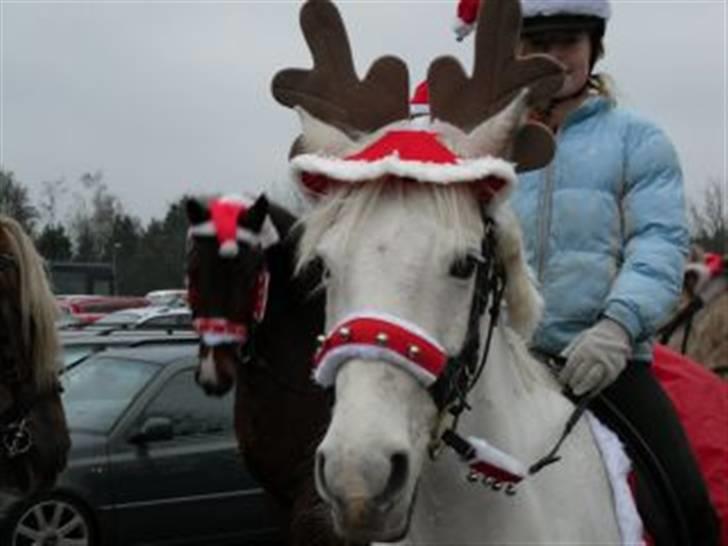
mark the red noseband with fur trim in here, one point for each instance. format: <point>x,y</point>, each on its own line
<point>218,331</point>
<point>372,336</point>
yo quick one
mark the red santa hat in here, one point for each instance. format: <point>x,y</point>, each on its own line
<point>420,102</point>
<point>467,14</point>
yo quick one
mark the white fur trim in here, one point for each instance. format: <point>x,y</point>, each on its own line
<point>461,28</point>
<point>491,454</point>
<point>618,466</point>
<point>418,109</point>
<point>267,237</point>
<point>548,8</point>
<point>701,271</point>
<point>213,339</point>
<point>202,230</point>
<point>228,249</point>
<point>359,171</point>
<point>325,372</point>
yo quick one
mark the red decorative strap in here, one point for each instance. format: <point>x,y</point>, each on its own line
<point>382,338</point>
<point>215,331</point>
<point>261,296</point>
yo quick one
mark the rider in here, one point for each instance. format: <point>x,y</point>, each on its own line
<point>606,235</point>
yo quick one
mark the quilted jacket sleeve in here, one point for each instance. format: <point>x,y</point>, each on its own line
<point>655,234</point>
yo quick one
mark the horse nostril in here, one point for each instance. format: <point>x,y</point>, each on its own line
<point>320,476</point>
<point>399,463</point>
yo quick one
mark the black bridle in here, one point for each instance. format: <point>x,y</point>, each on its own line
<point>463,370</point>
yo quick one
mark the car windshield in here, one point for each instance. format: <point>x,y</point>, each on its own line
<point>99,390</point>
<point>75,353</point>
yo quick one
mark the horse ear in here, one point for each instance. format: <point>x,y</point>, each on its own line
<point>254,218</point>
<point>197,212</point>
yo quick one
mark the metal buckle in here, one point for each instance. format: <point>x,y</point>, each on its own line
<point>17,439</point>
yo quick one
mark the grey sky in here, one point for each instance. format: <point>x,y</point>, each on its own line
<point>173,97</point>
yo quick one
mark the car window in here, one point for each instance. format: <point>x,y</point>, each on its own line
<point>98,391</point>
<point>191,411</point>
<point>164,320</point>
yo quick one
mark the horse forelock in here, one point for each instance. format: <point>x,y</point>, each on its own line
<point>454,207</point>
<point>37,303</point>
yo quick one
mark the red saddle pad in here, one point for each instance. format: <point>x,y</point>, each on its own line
<point>701,399</point>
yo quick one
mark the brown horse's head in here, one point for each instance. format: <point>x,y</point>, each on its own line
<point>34,438</point>
<point>227,281</point>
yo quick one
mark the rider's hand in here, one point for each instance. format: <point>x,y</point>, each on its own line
<point>596,357</point>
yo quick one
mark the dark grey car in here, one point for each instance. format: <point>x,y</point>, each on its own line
<point>154,461</point>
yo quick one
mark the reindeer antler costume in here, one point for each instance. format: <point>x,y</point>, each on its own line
<point>357,130</point>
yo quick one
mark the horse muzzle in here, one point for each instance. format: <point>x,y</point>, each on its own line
<point>369,500</point>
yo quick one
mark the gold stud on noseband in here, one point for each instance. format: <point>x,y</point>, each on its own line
<point>320,340</point>
<point>413,352</point>
<point>345,333</point>
<point>473,476</point>
<point>382,339</point>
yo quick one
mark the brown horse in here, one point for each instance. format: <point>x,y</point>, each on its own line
<point>699,327</point>
<point>258,327</point>
<point>34,439</point>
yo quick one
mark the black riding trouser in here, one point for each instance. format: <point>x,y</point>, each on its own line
<point>637,409</point>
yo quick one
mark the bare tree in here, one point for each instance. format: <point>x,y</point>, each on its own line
<point>709,219</point>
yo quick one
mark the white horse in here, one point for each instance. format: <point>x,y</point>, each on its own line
<point>406,252</point>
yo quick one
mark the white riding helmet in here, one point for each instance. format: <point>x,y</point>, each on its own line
<point>541,15</point>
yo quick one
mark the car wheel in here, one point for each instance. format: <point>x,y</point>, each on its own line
<point>53,521</point>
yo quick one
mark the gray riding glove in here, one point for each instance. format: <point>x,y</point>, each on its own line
<point>596,357</point>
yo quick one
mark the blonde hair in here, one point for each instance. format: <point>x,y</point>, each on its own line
<point>37,304</point>
<point>603,84</point>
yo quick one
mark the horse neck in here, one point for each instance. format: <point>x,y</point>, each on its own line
<point>516,404</point>
<point>294,314</point>
<point>517,408</point>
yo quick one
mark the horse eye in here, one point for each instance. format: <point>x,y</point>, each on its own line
<point>463,267</point>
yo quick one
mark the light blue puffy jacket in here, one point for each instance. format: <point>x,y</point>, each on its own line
<point>604,227</point>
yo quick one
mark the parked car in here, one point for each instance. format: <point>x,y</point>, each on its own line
<point>170,298</point>
<point>153,461</point>
<point>79,344</point>
<point>149,317</point>
<point>89,308</point>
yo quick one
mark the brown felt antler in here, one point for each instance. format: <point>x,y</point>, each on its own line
<point>331,90</point>
<point>498,77</point>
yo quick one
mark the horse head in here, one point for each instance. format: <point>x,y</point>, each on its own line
<point>34,438</point>
<point>412,232</point>
<point>227,281</point>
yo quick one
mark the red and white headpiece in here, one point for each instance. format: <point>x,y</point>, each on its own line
<point>476,133</point>
<point>226,214</point>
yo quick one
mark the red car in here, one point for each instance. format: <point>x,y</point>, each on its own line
<point>85,309</point>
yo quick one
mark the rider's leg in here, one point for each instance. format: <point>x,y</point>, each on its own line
<point>641,399</point>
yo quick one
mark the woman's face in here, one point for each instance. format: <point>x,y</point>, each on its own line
<point>570,48</point>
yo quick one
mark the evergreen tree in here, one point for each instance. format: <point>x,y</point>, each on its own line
<point>15,202</point>
<point>54,244</point>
